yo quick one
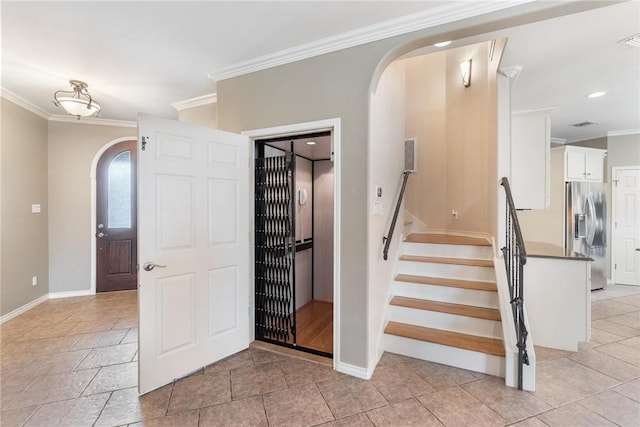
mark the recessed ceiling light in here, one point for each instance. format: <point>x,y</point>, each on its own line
<point>596,94</point>
<point>631,41</point>
<point>442,44</point>
<point>311,143</point>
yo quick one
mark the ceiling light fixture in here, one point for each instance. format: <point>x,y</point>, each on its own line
<point>465,69</point>
<point>311,143</point>
<point>596,94</point>
<point>442,44</point>
<point>79,103</point>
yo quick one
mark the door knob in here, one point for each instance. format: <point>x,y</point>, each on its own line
<point>101,234</point>
<point>148,266</point>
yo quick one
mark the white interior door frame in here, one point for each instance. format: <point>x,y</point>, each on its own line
<point>614,171</point>
<point>332,125</point>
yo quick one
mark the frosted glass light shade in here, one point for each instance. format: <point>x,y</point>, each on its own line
<point>465,69</point>
<point>79,107</point>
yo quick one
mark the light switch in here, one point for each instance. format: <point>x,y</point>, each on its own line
<point>35,208</point>
<point>378,191</point>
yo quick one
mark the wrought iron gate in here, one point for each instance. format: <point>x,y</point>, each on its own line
<point>274,249</point>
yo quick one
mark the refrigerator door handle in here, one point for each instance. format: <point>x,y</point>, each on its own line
<point>580,227</point>
<point>590,225</point>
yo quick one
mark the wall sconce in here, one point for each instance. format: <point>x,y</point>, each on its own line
<point>465,69</point>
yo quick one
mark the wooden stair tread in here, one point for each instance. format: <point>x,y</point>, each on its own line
<point>443,281</point>
<point>455,261</point>
<point>449,239</point>
<point>447,307</point>
<point>448,338</point>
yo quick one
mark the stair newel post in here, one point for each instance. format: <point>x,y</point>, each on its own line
<point>515,257</point>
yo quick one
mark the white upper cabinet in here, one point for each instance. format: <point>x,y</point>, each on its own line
<point>584,164</point>
<point>530,144</point>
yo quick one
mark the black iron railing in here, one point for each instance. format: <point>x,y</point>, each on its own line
<point>387,239</point>
<point>515,258</point>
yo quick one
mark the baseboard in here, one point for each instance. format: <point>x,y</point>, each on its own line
<point>24,308</point>
<point>354,371</point>
<point>68,294</point>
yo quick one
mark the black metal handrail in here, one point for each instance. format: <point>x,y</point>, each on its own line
<point>515,258</point>
<point>387,239</point>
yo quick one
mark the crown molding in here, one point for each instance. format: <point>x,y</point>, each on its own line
<point>92,121</point>
<point>198,101</point>
<point>623,132</point>
<point>444,14</point>
<point>558,141</point>
<point>10,96</point>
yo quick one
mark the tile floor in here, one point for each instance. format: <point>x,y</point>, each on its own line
<point>72,362</point>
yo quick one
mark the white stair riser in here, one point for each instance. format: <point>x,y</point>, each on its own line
<point>447,251</point>
<point>446,294</point>
<point>446,321</point>
<point>451,356</point>
<point>450,271</point>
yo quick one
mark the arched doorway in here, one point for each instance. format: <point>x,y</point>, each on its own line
<point>116,218</point>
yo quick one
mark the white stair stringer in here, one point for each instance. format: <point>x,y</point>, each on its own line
<point>445,355</point>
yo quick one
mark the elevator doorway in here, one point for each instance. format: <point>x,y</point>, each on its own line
<point>294,199</point>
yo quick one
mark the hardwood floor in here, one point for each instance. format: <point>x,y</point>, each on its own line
<point>315,326</point>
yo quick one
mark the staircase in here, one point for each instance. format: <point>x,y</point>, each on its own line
<point>445,303</point>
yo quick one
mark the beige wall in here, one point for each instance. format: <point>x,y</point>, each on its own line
<point>426,120</point>
<point>323,230</point>
<point>204,115</point>
<point>72,148</point>
<point>456,135</point>
<point>23,177</point>
<point>386,164</point>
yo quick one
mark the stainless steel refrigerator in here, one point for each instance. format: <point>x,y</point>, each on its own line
<point>586,225</point>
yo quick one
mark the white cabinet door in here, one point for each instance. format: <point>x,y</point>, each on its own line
<point>530,144</point>
<point>593,167</point>
<point>575,166</point>
<point>584,164</point>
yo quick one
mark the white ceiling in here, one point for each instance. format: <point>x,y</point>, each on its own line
<point>145,56</point>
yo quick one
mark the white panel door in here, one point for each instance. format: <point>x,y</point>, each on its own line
<point>626,226</point>
<point>193,219</point>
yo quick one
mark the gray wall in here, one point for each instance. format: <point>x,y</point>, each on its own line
<point>72,148</point>
<point>624,150</point>
<point>23,179</point>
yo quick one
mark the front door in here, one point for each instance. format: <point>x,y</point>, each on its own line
<point>626,226</point>
<point>116,232</point>
<point>193,221</point>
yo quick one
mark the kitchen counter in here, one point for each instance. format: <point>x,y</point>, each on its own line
<point>548,250</point>
<point>557,296</point>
